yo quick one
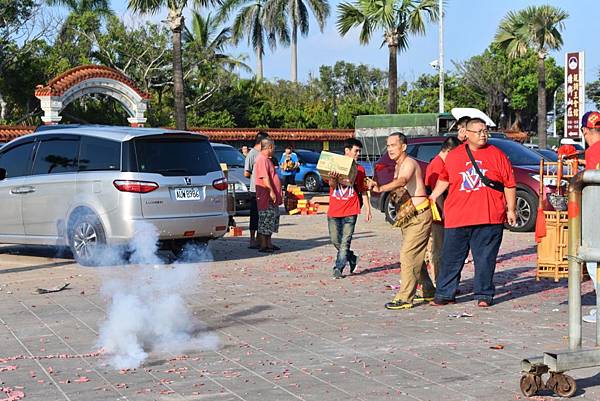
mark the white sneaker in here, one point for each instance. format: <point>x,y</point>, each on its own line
<point>591,318</point>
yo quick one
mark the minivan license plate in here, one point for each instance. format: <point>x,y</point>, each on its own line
<point>191,193</point>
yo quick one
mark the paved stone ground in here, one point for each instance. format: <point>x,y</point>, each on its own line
<point>288,330</point>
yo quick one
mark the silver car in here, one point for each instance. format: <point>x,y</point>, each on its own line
<point>94,186</point>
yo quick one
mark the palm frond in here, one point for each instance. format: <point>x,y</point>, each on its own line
<point>146,6</point>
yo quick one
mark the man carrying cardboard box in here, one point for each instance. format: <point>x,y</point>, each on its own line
<point>344,208</point>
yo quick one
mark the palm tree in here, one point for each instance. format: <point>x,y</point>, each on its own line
<point>176,24</point>
<point>297,13</point>
<point>100,8</point>
<point>252,21</point>
<point>206,39</point>
<point>398,19</point>
<point>537,28</point>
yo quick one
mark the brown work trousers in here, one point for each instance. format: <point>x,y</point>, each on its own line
<point>434,249</point>
<point>413,269</point>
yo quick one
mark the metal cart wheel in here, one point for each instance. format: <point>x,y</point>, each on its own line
<point>565,385</point>
<point>530,384</point>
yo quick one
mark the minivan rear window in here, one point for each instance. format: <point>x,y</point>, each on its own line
<point>175,155</point>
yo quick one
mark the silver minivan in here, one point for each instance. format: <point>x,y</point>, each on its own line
<point>89,187</point>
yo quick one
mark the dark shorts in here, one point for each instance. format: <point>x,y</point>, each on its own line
<point>253,213</point>
<point>288,180</point>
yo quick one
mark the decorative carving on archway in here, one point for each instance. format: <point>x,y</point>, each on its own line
<point>89,79</point>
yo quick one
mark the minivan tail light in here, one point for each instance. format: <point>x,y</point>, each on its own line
<point>138,187</point>
<point>220,184</point>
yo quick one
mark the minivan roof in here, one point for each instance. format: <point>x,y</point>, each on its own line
<point>116,133</point>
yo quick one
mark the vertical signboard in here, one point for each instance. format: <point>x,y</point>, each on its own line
<point>574,94</point>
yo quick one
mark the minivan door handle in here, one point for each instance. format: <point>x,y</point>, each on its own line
<point>22,190</point>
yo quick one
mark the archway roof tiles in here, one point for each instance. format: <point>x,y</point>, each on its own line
<point>59,85</point>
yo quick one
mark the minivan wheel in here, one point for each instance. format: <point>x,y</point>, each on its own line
<point>311,182</point>
<point>527,205</point>
<point>87,239</point>
<point>389,210</point>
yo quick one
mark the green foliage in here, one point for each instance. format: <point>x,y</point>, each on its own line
<point>212,119</point>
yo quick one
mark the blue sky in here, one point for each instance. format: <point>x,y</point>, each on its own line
<point>470,26</point>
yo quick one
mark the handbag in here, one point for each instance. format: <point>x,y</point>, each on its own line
<point>405,209</point>
<point>497,185</point>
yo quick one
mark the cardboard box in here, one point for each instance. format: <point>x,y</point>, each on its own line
<point>341,164</point>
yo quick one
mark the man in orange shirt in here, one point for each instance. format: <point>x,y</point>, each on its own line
<point>590,127</point>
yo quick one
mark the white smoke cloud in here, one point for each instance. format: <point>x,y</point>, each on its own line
<point>147,310</point>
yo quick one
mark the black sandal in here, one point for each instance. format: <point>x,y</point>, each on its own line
<point>266,250</point>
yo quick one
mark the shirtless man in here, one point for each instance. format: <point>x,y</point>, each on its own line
<point>415,234</point>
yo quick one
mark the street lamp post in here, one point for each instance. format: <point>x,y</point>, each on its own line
<point>441,55</point>
<point>554,133</point>
<point>335,112</point>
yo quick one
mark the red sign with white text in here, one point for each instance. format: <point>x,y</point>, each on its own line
<point>574,94</point>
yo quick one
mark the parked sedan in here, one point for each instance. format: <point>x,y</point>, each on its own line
<point>525,165</point>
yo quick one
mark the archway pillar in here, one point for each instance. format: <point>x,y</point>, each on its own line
<point>52,106</point>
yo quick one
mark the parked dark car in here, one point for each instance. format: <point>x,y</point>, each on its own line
<point>548,154</point>
<point>525,165</point>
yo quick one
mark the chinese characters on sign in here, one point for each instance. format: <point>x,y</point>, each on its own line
<point>574,93</point>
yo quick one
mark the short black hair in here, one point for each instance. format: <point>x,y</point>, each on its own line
<point>260,135</point>
<point>289,146</point>
<point>401,137</point>
<point>352,142</point>
<point>450,143</point>
<point>476,120</point>
<point>463,121</point>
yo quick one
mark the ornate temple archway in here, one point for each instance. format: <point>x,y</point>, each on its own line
<point>89,79</point>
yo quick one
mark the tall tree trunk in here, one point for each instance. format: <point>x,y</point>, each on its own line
<point>541,125</point>
<point>294,53</point>
<point>392,107</point>
<point>259,65</point>
<point>175,20</point>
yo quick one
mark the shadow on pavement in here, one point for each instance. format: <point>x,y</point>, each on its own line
<point>36,267</point>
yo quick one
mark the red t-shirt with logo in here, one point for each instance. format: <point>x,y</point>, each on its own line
<point>433,171</point>
<point>343,199</point>
<point>470,202</point>
<point>264,169</point>
<point>592,156</point>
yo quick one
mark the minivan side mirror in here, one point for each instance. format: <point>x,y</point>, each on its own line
<point>2,174</point>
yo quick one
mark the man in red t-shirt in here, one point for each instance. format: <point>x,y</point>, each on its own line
<point>590,127</point>
<point>268,196</point>
<point>432,173</point>
<point>474,213</point>
<point>344,208</point>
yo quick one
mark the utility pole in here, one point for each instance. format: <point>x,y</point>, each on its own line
<point>441,55</point>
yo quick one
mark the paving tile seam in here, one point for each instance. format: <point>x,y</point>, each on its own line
<point>257,374</point>
<point>36,361</point>
<point>204,374</point>
<point>146,371</point>
<point>507,353</point>
<point>404,335</point>
<point>78,354</point>
<point>332,361</point>
<point>240,341</point>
